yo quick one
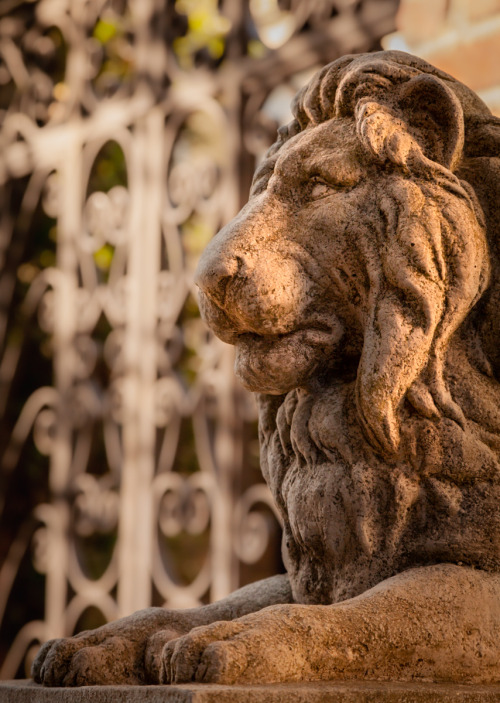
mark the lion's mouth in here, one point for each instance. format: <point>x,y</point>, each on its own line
<point>278,363</point>
<point>275,362</point>
<point>307,334</point>
<point>238,332</point>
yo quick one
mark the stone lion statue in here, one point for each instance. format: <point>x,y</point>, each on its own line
<point>361,288</point>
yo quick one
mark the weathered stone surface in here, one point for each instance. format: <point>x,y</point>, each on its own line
<point>361,288</point>
<point>317,692</point>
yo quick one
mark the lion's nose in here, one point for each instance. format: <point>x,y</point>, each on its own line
<point>215,272</point>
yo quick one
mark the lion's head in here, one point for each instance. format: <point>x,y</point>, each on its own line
<point>361,249</point>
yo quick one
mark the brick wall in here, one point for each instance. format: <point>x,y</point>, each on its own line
<point>462,37</point>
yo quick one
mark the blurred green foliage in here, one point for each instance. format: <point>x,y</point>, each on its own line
<point>109,169</point>
<point>105,30</point>
<point>207,29</point>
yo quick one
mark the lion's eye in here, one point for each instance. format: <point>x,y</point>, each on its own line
<point>320,189</point>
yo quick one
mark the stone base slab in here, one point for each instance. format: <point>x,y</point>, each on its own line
<point>324,692</point>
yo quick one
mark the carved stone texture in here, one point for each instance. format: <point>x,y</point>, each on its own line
<point>311,692</point>
<point>361,288</point>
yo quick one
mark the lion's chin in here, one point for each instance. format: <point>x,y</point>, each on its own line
<point>276,365</point>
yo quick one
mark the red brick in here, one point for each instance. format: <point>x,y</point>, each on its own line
<point>481,9</point>
<point>421,20</point>
<point>474,62</point>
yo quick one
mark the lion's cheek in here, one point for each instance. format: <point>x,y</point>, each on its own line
<point>277,366</point>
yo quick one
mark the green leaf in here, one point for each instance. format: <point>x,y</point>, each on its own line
<point>104,31</point>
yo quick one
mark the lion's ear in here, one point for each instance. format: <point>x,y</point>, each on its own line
<point>419,124</point>
<point>435,118</point>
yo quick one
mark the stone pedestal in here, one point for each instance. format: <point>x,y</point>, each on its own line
<point>349,692</point>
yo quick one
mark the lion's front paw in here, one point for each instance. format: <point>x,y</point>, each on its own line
<point>209,653</point>
<point>127,651</point>
<point>264,647</point>
<point>85,661</point>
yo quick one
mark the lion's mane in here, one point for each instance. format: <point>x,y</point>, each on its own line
<point>402,463</point>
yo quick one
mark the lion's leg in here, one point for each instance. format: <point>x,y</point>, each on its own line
<point>439,623</point>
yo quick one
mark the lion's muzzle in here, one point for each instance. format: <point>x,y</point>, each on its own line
<point>250,275</point>
<point>259,292</point>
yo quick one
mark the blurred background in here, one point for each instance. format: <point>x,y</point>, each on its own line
<point>129,132</point>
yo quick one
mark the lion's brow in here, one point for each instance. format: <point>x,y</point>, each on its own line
<point>324,152</point>
<point>333,166</point>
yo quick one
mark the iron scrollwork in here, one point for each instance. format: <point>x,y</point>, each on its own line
<point>130,150</point>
